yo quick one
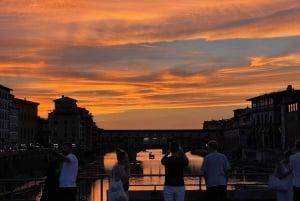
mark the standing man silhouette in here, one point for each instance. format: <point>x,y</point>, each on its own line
<point>68,173</point>
<point>215,168</point>
<point>174,188</point>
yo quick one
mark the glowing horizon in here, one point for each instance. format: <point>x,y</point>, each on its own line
<point>149,64</point>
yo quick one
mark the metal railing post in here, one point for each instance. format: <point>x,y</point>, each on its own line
<point>101,188</point>
<point>200,182</point>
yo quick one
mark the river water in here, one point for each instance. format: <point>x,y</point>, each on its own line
<point>147,166</point>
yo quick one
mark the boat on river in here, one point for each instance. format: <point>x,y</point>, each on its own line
<point>151,155</point>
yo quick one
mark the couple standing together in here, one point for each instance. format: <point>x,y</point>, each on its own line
<point>215,168</point>
<point>61,175</point>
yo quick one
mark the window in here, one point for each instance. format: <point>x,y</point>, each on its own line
<point>293,107</point>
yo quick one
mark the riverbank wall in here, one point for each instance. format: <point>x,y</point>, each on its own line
<point>22,164</point>
<point>33,163</point>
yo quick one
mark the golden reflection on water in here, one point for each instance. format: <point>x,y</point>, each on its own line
<point>149,166</point>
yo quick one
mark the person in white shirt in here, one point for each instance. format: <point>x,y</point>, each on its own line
<point>215,168</point>
<point>295,166</point>
<point>68,173</point>
<point>283,171</point>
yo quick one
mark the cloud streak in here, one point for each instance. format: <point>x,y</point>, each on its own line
<point>117,58</point>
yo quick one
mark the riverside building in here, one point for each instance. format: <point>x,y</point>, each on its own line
<point>24,121</point>
<point>270,126</point>
<point>70,123</point>
<point>275,119</point>
<point>5,102</point>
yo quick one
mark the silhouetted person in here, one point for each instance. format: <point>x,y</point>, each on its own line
<point>121,169</point>
<point>50,191</point>
<point>175,162</point>
<point>295,165</point>
<point>120,173</point>
<point>283,171</point>
<point>215,168</point>
<point>68,173</point>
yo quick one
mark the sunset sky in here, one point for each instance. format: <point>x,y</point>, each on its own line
<point>141,64</point>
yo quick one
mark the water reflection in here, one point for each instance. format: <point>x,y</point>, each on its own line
<point>148,166</point>
<point>153,166</point>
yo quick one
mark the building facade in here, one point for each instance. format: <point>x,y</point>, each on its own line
<point>270,126</point>
<point>27,119</point>
<point>275,119</point>
<point>43,137</point>
<point>70,123</point>
<point>5,103</point>
<point>13,127</point>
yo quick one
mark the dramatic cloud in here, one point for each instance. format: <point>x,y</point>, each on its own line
<point>127,61</point>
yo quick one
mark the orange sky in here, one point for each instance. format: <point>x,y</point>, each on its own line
<point>149,64</point>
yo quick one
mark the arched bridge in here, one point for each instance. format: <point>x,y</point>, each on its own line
<point>137,140</point>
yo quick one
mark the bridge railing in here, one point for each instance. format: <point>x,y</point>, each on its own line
<point>95,188</point>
